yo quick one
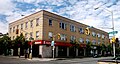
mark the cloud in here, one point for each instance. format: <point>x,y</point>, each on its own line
<point>79,10</point>
<point>3,27</point>
<point>6,6</point>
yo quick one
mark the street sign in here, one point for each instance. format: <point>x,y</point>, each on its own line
<point>52,43</point>
<point>113,32</point>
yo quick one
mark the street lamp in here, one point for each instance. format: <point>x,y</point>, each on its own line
<point>53,42</point>
<point>111,28</point>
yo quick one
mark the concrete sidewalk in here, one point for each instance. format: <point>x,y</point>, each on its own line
<point>54,59</point>
<point>33,59</point>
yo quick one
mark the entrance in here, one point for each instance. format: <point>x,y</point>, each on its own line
<point>35,50</point>
<point>62,51</point>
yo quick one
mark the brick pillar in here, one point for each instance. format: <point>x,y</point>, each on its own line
<point>76,51</point>
<point>56,54</point>
<point>40,50</point>
<point>67,51</point>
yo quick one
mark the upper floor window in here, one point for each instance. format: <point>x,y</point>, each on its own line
<point>17,26</point>
<point>81,40</point>
<point>10,30</point>
<point>81,30</point>
<point>93,42</point>
<point>72,38</point>
<point>93,34</point>
<point>26,25</point>
<point>21,26</point>
<point>13,37</point>
<point>13,29</point>
<point>98,35</point>
<point>50,22</point>
<point>63,25</point>
<point>72,28</point>
<point>87,40</point>
<point>98,41</point>
<point>26,36</point>
<point>63,37</point>
<point>103,36</point>
<point>37,22</point>
<point>37,34</point>
<point>31,34</point>
<point>50,35</point>
<point>31,23</point>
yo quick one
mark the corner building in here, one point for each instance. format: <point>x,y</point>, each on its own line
<point>43,25</point>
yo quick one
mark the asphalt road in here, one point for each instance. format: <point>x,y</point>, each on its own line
<point>7,60</point>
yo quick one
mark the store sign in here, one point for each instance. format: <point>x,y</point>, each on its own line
<point>37,42</point>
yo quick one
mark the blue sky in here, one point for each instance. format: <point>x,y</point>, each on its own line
<point>79,10</point>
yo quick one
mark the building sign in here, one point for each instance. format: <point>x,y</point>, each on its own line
<point>37,42</point>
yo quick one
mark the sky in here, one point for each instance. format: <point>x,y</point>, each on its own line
<point>82,11</point>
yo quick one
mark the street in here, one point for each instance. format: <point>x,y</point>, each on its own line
<point>10,60</point>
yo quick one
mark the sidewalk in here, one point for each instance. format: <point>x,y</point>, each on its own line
<point>54,59</point>
<point>33,59</point>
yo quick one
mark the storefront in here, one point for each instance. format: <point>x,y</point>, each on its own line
<point>44,49</point>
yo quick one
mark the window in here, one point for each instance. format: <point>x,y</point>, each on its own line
<point>26,25</point>
<point>93,34</point>
<point>21,26</point>
<point>31,34</point>
<point>17,26</point>
<point>10,30</point>
<point>98,35</point>
<point>31,23</point>
<point>72,38</point>
<point>72,28</point>
<point>63,37</point>
<point>63,25</point>
<point>13,37</point>
<point>50,35</point>
<point>103,36</point>
<point>26,36</point>
<point>13,29</point>
<point>37,22</point>
<point>98,41</point>
<point>81,40</point>
<point>37,34</point>
<point>94,42</point>
<point>50,22</point>
<point>87,41</point>
<point>81,31</point>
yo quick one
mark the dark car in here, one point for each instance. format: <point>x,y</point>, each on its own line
<point>95,56</point>
<point>117,58</point>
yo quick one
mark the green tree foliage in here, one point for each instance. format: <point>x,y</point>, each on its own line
<point>5,45</point>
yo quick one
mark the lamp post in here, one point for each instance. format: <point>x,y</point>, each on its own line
<point>53,42</point>
<point>110,28</point>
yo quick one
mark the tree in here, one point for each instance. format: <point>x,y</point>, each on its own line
<point>5,45</point>
<point>19,42</point>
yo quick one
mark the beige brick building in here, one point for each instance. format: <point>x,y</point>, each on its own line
<point>43,25</point>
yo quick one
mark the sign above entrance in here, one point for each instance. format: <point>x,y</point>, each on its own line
<point>37,42</point>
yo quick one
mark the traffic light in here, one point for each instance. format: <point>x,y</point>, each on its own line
<point>113,39</point>
<point>87,31</point>
<point>58,36</point>
<point>17,31</point>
